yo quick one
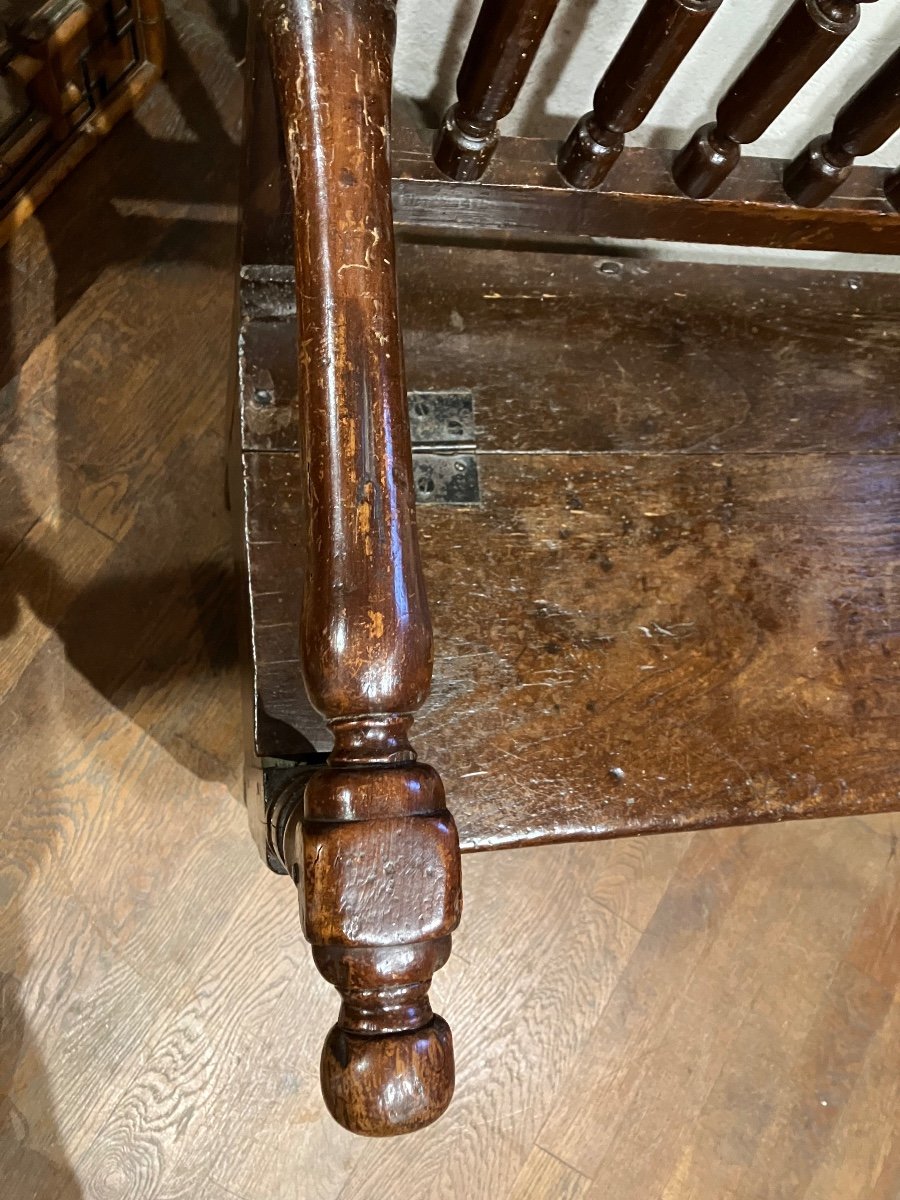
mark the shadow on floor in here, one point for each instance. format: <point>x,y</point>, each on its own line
<point>159,193</point>
<point>26,1170</point>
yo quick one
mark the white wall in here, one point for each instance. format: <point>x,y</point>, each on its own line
<point>583,36</point>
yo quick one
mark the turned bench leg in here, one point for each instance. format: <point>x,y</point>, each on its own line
<point>374,853</point>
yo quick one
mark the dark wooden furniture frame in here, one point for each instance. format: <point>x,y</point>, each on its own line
<point>363,826</point>
<point>82,64</point>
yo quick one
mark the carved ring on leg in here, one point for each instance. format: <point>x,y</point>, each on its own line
<point>375,857</point>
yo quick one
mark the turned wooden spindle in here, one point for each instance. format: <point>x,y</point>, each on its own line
<point>499,55</point>
<point>864,124</point>
<point>374,852</point>
<point>657,43</point>
<point>805,38</point>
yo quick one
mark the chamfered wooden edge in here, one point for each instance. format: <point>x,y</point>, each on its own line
<point>523,192</point>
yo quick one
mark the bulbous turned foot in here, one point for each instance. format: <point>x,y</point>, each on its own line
<point>379,898</point>
<point>385,1085</point>
<point>812,176</point>
<point>462,150</point>
<point>705,162</point>
<point>588,154</point>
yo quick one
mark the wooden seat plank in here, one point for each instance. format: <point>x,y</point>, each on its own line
<point>676,603</point>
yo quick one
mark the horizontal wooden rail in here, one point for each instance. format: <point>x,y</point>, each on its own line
<point>523,192</point>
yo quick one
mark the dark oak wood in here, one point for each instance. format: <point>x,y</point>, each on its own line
<point>168,961</point>
<point>805,38</point>
<point>862,126</point>
<point>672,357</point>
<point>657,43</point>
<point>160,1023</point>
<point>664,596</point>
<point>372,848</point>
<point>641,664</point>
<point>685,562</point>
<point>500,52</point>
<point>524,193</point>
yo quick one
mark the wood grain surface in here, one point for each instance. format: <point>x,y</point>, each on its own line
<point>684,1017</point>
<point>675,605</point>
<point>379,888</point>
<point>522,194</point>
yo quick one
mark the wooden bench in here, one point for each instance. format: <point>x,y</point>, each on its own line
<point>658,502</point>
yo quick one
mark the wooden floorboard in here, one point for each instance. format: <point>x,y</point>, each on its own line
<point>690,1017</point>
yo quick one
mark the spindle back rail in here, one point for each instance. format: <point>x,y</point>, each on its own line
<point>364,830</point>
<point>601,187</point>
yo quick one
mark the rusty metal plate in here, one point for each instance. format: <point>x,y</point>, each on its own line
<point>441,420</point>
<point>446,478</point>
<point>442,428</point>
